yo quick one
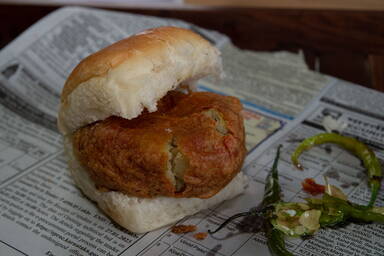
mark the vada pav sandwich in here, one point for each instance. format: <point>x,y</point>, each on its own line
<point>146,150</point>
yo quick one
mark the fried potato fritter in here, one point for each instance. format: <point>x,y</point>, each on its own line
<point>192,146</point>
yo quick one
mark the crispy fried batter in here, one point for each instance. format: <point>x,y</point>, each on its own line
<point>200,235</point>
<point>191,147</point>
<point>182,229</point>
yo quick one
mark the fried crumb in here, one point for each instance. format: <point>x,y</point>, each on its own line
<point>181,229</point>
<point>200,235</point>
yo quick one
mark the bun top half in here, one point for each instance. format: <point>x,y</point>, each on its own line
<point>134,73</point>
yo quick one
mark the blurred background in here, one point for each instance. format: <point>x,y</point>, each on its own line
<point>342,38</point>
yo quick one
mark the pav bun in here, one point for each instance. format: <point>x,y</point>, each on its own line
<point>146,154</point>
<point>133,74</point>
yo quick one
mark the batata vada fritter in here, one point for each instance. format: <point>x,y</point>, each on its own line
<point>146,152</point>
<point>191,148</point>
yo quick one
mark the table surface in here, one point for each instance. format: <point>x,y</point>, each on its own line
<point>345,44</point>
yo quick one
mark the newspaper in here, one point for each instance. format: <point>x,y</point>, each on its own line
<point>43,213</point>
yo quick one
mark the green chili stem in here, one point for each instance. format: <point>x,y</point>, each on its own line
<point>238,215</point>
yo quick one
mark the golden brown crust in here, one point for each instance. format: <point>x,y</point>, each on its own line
<point>135,156</point>
<point>99,63</point>
<point>133,74</point>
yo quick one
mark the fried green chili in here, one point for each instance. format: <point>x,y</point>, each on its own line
<point>371,163</point>
<point>329,210</point>
<point>344,211</point>
<point>276,242</point>
<point>272,190</point>
<point>272,196</point>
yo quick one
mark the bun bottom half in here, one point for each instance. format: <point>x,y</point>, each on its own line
<point>140,215</point>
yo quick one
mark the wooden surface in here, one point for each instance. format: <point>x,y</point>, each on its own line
<point>295,4</point>
<point>345,44</point>
<point>376,65</point>
<point>373,5</point>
